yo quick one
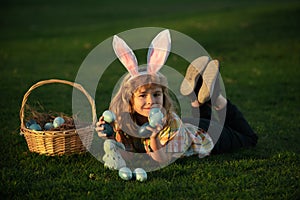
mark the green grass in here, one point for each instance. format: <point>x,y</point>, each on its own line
<point>258,44</point>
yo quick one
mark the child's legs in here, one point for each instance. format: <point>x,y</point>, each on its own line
<point>231,140</point>
<point>236,132</point>
<point>236,121</point>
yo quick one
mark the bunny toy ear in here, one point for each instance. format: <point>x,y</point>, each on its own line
<point>125,55</point>
<point>158,51</point>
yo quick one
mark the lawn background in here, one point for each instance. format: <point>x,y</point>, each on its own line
<point>257,43</point>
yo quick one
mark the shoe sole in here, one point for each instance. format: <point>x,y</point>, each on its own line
<point>209,79</point>
<point>195,68</point>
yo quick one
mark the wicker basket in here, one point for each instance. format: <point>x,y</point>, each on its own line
<point>58,142</point>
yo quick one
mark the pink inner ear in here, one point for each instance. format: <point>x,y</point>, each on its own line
<point>130,65</point>
<point>159,51</point>
<point>156,61</point>
<point>125,55</point>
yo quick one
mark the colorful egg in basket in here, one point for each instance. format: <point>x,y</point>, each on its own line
<point>61,139</point>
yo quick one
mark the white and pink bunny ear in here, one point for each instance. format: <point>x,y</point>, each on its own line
<point>158,51</point>
<point>125,55</point>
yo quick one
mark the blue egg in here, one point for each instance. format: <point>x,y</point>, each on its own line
<point>58,121</point>
<point>143,131</point>
<point>140,174</point>
<point>125,173</point>
<point>48,126</point>
<point>35,127</point>
<point>108,129</point>
<point>109,116</point>
<point>153,111</point>
<point>156,119</point>
<point>30,122</point>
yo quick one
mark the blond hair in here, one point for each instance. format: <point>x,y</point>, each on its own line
<point>121,103</point>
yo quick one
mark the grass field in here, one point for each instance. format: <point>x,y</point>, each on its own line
<point>257,43</point>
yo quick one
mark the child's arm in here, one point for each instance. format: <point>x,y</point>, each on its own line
<point>99,129</point>
<point>158,154</point>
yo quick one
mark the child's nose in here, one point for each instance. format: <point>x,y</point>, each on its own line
<point>150,99</point>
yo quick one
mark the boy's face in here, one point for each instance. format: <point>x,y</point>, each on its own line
<point>146,98</point>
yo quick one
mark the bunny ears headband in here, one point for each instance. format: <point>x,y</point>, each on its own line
<point>157,54</point>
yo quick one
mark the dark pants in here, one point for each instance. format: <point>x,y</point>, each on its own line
<point>235,132</point>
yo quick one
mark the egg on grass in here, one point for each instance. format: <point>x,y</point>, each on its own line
<point>140,174</point>
<point>125,173</point>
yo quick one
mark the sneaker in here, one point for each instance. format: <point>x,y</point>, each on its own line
<point>192,74</point>
<point>209,78</point>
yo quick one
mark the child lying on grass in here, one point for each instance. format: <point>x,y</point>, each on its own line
<point>144,88</point>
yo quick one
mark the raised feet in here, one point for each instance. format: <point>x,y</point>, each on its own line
<point>209,78</point>
<point>201,77</point>
<point>192,74</point>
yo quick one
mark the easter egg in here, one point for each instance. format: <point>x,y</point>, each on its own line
<point>108,129</point>
<point>48,126</point>
<point>125,173</point>
<point>155,119</point>
<point>153,111</point>
<point>109,116</point>
<point>30,122</point>
<point>35,127</point>
<point>58,121</point>
<point>140,174</point>
<point>143,131</point>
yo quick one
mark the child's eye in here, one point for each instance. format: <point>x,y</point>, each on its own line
<point>142,95</point>
<point>158,94</point>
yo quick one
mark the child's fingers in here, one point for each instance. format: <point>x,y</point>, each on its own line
<point>100,134</point>
<point>99,128</point>
<point>164,120</point>
<point>99,123</point>
<point>104,136</point>
<point>158,128</point>
<point>155,130</point>
<point>101,120</point>
<point>149,128</point>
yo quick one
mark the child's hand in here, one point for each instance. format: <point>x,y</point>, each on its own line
<point>155,130</point>
<point>100,128</point>
<point>159,156</point>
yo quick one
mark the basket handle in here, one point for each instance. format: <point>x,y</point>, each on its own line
<point>76,85</point>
